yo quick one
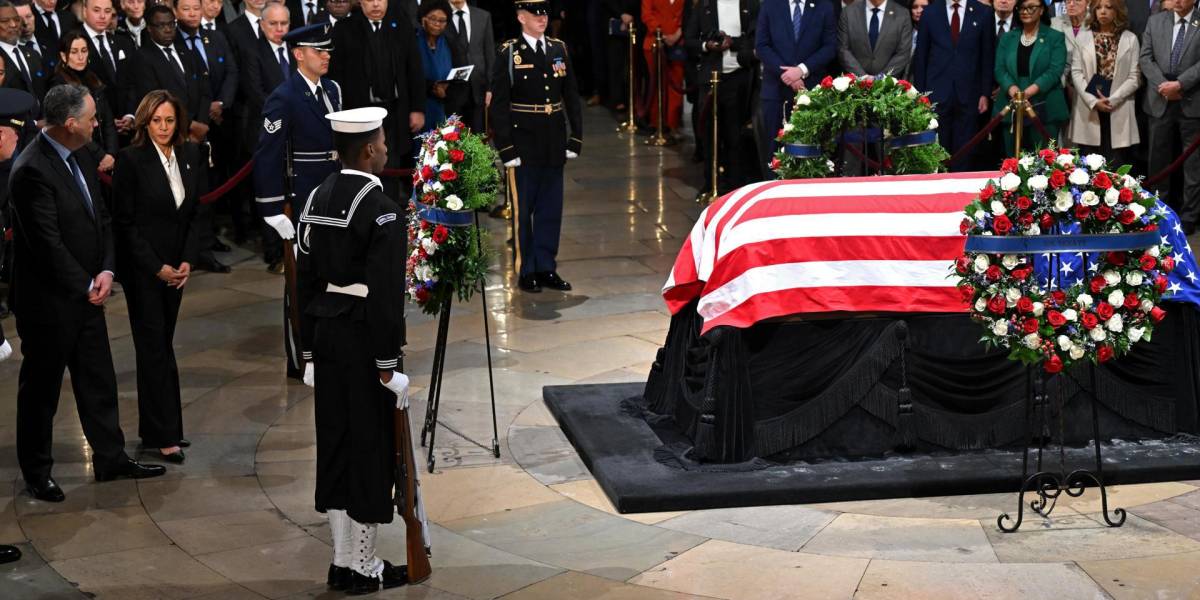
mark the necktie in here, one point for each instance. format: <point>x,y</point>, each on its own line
<point>50,22</point>
<point>797,13</point>
<point>82,183</point>
<point>540,51</point>
<point>321,98</point>
<point>374,26</point>
<point>1177,47</point>
<point>312,14</point>
<point>873,30</point>
<point>198,47</point>
<point>955,24</point>
<point>461,24</point>
<point>283,63</point>
<point>102,43</point>
<point>174,63</point>
<point>210,26</point>
<point>21,66</point>
<point>1000,29</point>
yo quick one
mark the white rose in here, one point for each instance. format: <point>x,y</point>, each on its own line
<point>429,245</point>
<point>1063,201</point>
<point>1070,315</point>
<point>453,202</point>
<point>437,186</point>
<point>841,84</point>
<point>1130,182</point>
<point>1089,198</point>
<point>1012,295</point>
<point>1115,323</point>
<point>1136,333</point>
<point>829,165</point>
<point>1111,277</point>
<point>1085,301</point>
<point>1010,182</point>
<point>447,130</point>
<point>933,124</point>
<point>1147,305</point>
<point>1010,261</point>
<point>1134,278</point>
<point>1032,341</point>
<point>1116,298</point>
<point>1065,343</point>
<point>997,207</point>
<point>981,263</point>
<point>1026,161</point>
<point>1037,182</point>
<point>912,93</point>
<point>1111,196</point>
<point>1153,251</point>
<point>788,126</point>
<point>1094,161</point>
<point>1038,309</point>
<point>1000,327</point>
<point>1034,229</point>
<point>803,100</point>
<point>1079,177</point>
<point>979,215</point>
<point>980,305</point>
<point>1098,334</point>
<point>1138,209</point>
<point>1065,159</point>
<point>1076,352</point>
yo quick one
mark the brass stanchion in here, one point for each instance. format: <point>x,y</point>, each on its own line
<point>712,194</point>
<point>630,124</point>
<point>1018,105</point>
<point>658,139</point>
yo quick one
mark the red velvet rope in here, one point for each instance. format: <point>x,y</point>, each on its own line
<point>1165,173</point>
<point>970,145</point>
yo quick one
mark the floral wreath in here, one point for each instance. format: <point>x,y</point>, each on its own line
<point>1056,198</point>
<point>898,114</point>
<point>455,176</point>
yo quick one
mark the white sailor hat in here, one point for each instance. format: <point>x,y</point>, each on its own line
<point>357,120</point>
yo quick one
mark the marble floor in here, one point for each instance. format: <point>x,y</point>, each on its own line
<point>237,521</point>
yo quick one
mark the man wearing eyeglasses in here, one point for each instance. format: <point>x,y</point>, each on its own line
<point>166,64</point>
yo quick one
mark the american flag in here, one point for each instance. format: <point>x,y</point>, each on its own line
<point>856,244</point>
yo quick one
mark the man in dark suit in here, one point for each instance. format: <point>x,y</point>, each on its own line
<point>245,29</point>
<point>262,62</point>
<point>114,59</point>
<point>132,22</point>
<point>167,64</point>
<point>51,24</point>
<point>953,64</point>
<point>797,43</point>
<point>22,66</point>
<point>306,12</point>
<point>471,28</point>
<point>377,62</point>
<point>29,35</point>
<point>63,272</point>
<point>335,11</point>
<point>875,38</point>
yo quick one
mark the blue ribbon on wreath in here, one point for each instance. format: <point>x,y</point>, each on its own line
<point>449,218</point>
<point>1055,244</point>
<point>913,139</point>
<point>803,150</point>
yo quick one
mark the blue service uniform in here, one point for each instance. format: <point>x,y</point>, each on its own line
<point>534,100</point>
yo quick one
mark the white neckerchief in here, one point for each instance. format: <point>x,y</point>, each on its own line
<point>174,176</point>
<point>373,178</point>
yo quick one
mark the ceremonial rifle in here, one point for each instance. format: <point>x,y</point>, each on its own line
<point>408,499</point>
<point>289,256</point>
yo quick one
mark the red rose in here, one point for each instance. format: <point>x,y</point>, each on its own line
<point>1104,353</point>
<point>1058,297</point>
<point>1115,258</point>
<point>1058,179</point>
<point>429,198</point>
<point>424,225</point>
<point>887,163</point>
<point>1082,211</point>
<point>422,295</point>
<point>1025,219</point>
<point>923,100</point>
<point>997,305</point>
<point>866,83</point>
<point>967,291</point>
<point>775,165</point>
<point>904,84</point>
<point>1147,262</point>
<point>1104,310</point>
<point>1089,320</point>
<point>1023,202</point>
<point>1157,314</point>
<point>961,264</point>
<point>1025,305</point>
<point>850,76</point>
<point>1151,227</point>
<point>993,273</point>
<point>1047,155</point>
<point>1096,284</point>
<point>1009,165</point>
<point>965,226</point>
<point>1125,195</point>
<point>827,82</point>
<point>1168,263</point>
<point>1102,181</point>
<point>1053,364</point>
<point>779,135</point>
<point>457,155</point>
<point>1126,217</point>
<point>451,137</point>
<point>1160,283</point>
<point>448,175</point>
<point>1021,274</point>
<point>1103,213</point>
<point>1047,221</point>
<point>986,192</point>
<point>1064,151</point>
<point>1002,224</point>
<point>1055,318</point>
<point>1030,325</point>
<point>1132,301</point>
<point>426,172</point>
<point>440,234</point>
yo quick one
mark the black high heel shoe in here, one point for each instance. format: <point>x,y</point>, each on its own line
<point>175,458</point>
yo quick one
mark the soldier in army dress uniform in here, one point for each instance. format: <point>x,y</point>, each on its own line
<point>350,286</point>
<point>295,148</point>
<point>534,99</point>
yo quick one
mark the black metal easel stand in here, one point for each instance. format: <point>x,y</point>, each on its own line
<point>433,400</point>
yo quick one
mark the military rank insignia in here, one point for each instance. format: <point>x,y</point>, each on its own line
<point>272,126</point>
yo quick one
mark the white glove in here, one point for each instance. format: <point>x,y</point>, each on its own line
<point>398,386</point>
<point>309,374</point>
<point>282,225</point>
<point>5,351</point>
<point>571,155</point>
<point>516,162</point>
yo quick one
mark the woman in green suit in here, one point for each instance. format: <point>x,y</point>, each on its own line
<point>1031,60</point>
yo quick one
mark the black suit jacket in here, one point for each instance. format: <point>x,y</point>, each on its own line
<point>703,22</point>
<point>119,85</point>
<point>59,246</point>
<point>38,76</point>
<point>221,65</point>
<point>47,38</point>
<point>157,73</point>
<point>260,76</point>
<point>242,35</point>
<point>150,231</point>
<point>298,9</point>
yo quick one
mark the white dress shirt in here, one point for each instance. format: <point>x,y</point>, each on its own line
<point>14,54</point>
<point>466,15</point>
<point>174,177</point>
<point>882,10</point>
<point>173,54</point>
<point>275,52</point>
<point>205,24</point>
<point>729,20</point>
<point>1175,19</point>
<point>962,5</point>
<point>1008,23</point>
<point>791,11</point>
<point>100,40</point>
<point>254,26</point>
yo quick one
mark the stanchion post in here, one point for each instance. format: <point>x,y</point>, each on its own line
<point>713,193</point>
<point>1018,105</point>
<point>630,124</point>
<point>658,139</point>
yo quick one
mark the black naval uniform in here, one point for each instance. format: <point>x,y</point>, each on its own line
<point>534,98</point>
<point>350,284</point>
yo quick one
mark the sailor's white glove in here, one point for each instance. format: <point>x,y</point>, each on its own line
<point>398,386</point>
<point>516,162</point>
<point>309,374</point>
<point>5,351</point>
<point>282,225</point>
<point>571,155</point>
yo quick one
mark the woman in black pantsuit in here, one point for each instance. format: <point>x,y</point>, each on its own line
<point>156,186</point>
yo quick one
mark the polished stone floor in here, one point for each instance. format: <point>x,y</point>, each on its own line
<point>237,522</point>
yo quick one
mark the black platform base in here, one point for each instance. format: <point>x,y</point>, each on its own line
<point>641,465</point>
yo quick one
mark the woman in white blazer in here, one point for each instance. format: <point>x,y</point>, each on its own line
<point>1107,54</point>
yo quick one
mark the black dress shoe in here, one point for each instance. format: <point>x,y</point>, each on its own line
<point>554,282</point>
<point>175,458</point>
<point>9,554</point>
<point>219,246</point>
<point>530,283</point>
<point>392,576</point>
<point>212,266</point>
<point>46,490</point>
<point>130,469</point>
<point>338,578</point>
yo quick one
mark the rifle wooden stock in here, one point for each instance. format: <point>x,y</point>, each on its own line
<point>289,275</point>
<point>406,501</point>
